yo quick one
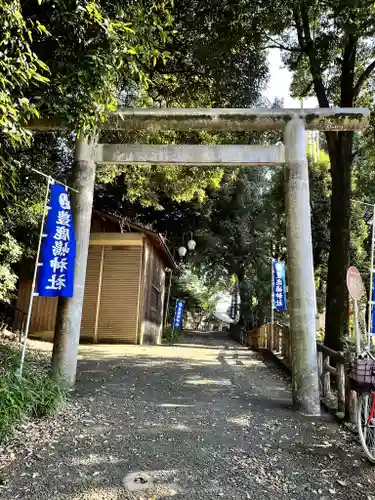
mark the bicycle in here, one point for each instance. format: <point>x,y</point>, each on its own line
<point>364,379</point>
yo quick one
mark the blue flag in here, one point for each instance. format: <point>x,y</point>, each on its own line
<point>179,311</point>
<point>279,286</point>
<point>56,275</point>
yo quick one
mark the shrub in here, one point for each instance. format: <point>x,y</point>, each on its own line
<point>172,338</point>
<point>36,395</point>
<point>320,335</point>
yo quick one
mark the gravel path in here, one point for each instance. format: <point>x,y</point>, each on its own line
<point>203,420</point>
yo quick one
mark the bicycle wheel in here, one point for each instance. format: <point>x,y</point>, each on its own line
<point>366,424</point>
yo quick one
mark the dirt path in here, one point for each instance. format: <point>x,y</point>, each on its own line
<point>204,420</point>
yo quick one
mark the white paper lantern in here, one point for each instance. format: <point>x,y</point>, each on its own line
<point>182,252</point>
<point>191,245</point>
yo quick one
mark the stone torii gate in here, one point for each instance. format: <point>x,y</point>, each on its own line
<point>292,154</point>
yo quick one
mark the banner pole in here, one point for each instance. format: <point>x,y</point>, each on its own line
<point>174,318</point>
<point>32,294</point>
<point>166,312</point>
<point>272,293</point>
<point>272,299</point>
<point>371,287</point>
<point>356,327</point>
<point>52,180</point>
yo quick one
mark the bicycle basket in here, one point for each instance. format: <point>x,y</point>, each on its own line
<point>362,373</point>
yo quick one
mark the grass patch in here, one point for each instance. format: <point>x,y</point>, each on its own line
<point>172,337</point>
<point>35,395</point>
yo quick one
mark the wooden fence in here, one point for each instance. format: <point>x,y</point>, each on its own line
<point>332,367</point>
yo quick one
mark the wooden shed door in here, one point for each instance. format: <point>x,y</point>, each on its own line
<point>118,314</point>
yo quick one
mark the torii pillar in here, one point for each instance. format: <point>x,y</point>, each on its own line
<point>301,283</point>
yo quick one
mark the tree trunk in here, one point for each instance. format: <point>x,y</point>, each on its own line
<point>340,155</point>
<point>198,324</point>
<point>261,317</point>
<point>337,304</point>
<point>340,149</point>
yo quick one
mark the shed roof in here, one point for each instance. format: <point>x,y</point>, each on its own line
<point>156,238</point>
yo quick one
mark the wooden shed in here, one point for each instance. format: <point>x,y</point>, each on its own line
<point>124,289</point>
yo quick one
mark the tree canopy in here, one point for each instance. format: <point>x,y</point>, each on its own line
<point>78,59</point>
<point>329,47</point>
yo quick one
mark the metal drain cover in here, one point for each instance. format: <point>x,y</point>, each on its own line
<point>135,481</point>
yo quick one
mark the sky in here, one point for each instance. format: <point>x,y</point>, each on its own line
<point>224,302</point>
<point>278,86</point>
<point>279,83</point>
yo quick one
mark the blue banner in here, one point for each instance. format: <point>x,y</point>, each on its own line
<point>279,286</point>
<point>179,311</point>
<point>56,275</point>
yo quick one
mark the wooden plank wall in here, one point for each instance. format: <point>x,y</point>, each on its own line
<point>43,317</point>
<point>154,277</point>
